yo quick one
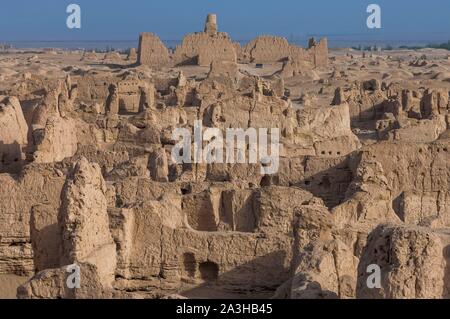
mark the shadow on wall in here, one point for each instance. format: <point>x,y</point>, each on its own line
<point>221,211</point>
<point>366,116</point>
<point>10,157</point>
<point>330,184</point>
<point>258,278</point>
<point>446,254</point>
<point>397,206</point>
<point>46,241</point>
<point>188,61</point>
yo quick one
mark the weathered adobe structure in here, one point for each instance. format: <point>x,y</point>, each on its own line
<point>270,48</point>
<point>88,178</point>
<point>203,48</point>
<point>169,222</point>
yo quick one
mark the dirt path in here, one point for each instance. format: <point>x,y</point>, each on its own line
<point>9,284</point>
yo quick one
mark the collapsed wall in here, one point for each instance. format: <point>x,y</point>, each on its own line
<point>203,48</point>
<point>57,141</point>
<point>13,134</point>
<point>152,51</point>
<point>21,198</point>
<point>266,49</point>
<point>82,238</point>
<point>412,261</point>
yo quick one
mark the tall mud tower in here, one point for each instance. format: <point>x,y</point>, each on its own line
<point>211,24</point>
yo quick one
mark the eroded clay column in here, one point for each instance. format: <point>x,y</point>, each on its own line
<point>211,24</point>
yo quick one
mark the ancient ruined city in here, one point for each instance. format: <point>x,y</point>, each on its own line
<point>87,176</point>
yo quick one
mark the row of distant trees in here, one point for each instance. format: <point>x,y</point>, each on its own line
<point>445,46</point>
<point>111,49</point>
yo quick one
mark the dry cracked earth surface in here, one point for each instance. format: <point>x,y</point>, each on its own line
<point>87,176</point>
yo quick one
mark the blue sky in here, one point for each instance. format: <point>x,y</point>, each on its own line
<point>242,19</point>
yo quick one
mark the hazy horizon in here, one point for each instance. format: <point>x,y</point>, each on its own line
<point>403,22</point>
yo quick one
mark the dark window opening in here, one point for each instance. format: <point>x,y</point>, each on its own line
<point>190,266</point>
<point>209,271</point>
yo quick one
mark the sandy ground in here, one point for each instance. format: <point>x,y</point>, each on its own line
<point>9,284</point>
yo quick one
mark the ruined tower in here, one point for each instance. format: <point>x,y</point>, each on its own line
<point>312,43</point>
<point>152,51</point>
<point>211,24</point>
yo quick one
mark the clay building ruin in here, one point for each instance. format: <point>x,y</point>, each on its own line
<point>152,51</point>
<point>269,48</point>
<point>203,48</point>
<point>88,176</point>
